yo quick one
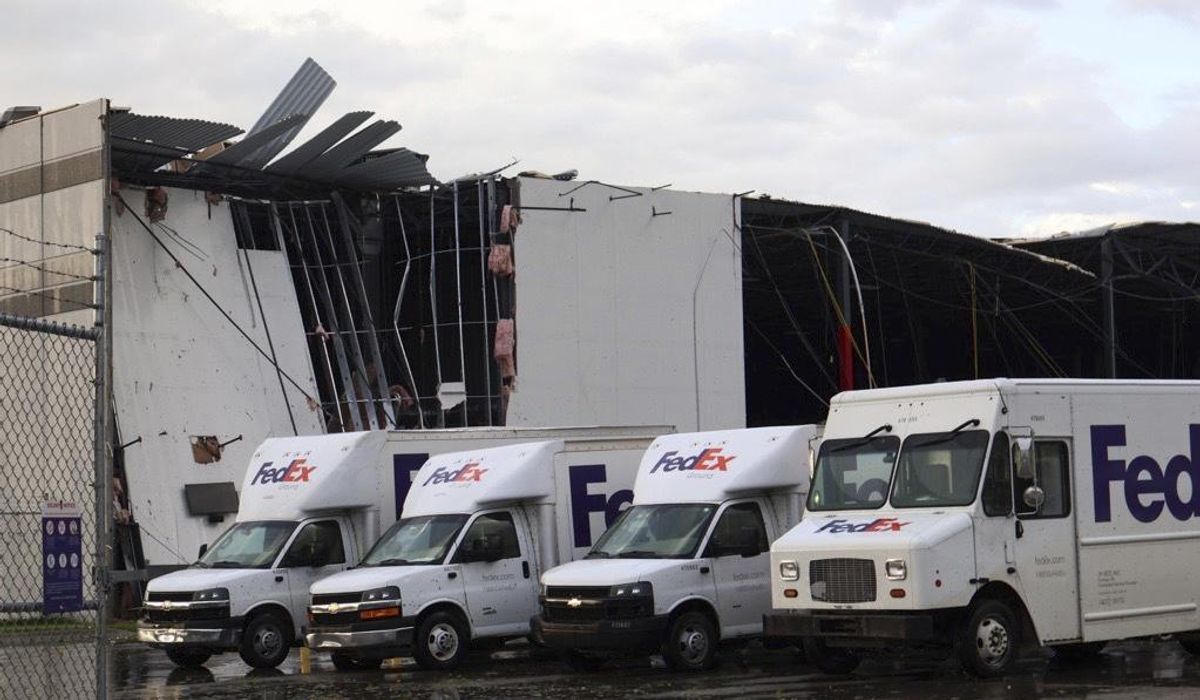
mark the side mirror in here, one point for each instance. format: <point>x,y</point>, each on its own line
<point>1034,497</point>
<point>1023,457</point>
<point>203,551</point>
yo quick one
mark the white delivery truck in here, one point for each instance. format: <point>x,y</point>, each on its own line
<point>309,507</point>
<point>687,565</point>
<point>461,565</point>
<point>985,515</point>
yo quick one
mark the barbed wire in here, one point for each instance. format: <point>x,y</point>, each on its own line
<point>39,268</point>
<point>51,297</point>
<point>67,246</point>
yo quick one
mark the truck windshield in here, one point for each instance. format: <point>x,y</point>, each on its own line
<point>939,469</point>
<point>248,545</point>
<point>668,531</point>
<point>853,473</point>
<point>412,541</point>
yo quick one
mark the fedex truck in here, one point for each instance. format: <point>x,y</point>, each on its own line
<point>310,507</point>
<point>686,566</point>
<point>987,516</point>
<point>460,568</point>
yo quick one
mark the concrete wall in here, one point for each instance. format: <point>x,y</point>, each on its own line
<point>181,370</point>
<point>604,320</point>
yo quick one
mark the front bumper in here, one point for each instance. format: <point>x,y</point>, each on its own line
<point>915,626</point>
<point>362,637</point>
<point>225,633</point>
<point>634,634</point>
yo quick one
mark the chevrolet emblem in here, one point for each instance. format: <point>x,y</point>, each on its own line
<point>166,605</point>
<point>574,603</point>
<point>333,608</point>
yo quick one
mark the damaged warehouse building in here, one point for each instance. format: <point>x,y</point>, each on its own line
<point>264,286</point>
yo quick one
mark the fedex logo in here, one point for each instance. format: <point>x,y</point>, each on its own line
<point>296,471</point>
<point>467,472</point>
<point>709,459</point>
<point>876,525</point>
<point>1148,486</point>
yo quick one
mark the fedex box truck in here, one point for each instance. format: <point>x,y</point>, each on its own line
<point>686,566</point>
<point>460,567</point>
<point>310,507</point>
<point>987,515</point>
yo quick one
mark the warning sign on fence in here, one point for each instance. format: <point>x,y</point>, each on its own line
<point>62,557</point>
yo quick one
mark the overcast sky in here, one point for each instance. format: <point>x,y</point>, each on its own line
<point>1018,117</point>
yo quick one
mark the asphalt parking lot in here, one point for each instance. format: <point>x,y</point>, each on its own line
<point>1129,670</point>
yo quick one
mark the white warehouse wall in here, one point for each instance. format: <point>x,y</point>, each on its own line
<point>604,312</point>
<point>180,369</point>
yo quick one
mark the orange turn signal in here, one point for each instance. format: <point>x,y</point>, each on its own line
<point>379,613</point>
<point>898,593</point>
<point>790,593</point>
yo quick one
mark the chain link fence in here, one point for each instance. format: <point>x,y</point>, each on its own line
<point>54,510</point>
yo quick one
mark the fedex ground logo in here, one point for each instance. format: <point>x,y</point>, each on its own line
<point>876,525</point>
<point>1148,485</point>
<point>709,459</point>
<point>469,472</point>
<point>297,471</point>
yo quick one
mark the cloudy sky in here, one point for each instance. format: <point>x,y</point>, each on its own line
<point>1018,117</point>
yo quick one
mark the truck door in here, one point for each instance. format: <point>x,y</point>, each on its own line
<point>995,532</point>
<point>317,550</point>
<point>1045,543</point>
<point>496,561</point>
<point>739,551</point>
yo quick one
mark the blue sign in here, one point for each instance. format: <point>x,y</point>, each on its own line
<point>62,557</point>
<point>404,468</point>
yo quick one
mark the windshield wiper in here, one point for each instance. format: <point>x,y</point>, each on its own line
<point>639,554</point>
<point>947,437</point>
<point>597,555</point>
<point>228,565</point>
<point>391,562</point>
<point>886,427</point>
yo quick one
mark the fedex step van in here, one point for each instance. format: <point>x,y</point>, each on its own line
<point>687,565</point>
<point>460,568</point>
<point>985,516</point>
<point>310,507</point>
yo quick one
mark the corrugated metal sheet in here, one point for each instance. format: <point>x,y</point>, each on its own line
<point>303,95</point>
<point>245,151</point>
<point>350,150</point>
<point>188,135</point>
<point>399,168</point>
<point>314,147</point>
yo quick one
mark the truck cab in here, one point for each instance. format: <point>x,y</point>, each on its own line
<point>686,565</point>
<point>461,565</point>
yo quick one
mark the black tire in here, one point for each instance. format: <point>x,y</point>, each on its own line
<point>441,641</point>
<point>836,661</point>
<point>266,640</point>
<point>1078,653</point>
<point>188,658</point>
<point>989,640</point>
<point>581,662</point>
<point>347,662</point>
<point>691,643</point>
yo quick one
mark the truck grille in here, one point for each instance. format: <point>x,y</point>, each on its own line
<point>593,604</point>
<point>187,615</point>
<point>584,592</point>
<point>326,598</point>
<point>172,596</point>
<point>842,580</point>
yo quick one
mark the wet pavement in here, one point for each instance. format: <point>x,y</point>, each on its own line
<point>1126,670</point>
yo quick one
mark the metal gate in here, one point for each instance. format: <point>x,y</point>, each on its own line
<point>55,503</point>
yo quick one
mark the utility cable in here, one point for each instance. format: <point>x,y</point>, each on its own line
<point>214,302</point>
<point>836,306</point>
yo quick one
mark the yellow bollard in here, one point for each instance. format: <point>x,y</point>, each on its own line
<point>305,660</point>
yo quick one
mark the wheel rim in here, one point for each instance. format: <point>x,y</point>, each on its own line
<point>693,643</point>
<point>268,640</point>
<point>992,641</point>
<point>442,641</point>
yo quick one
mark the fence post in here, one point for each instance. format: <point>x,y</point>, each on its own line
<point>102,450</point>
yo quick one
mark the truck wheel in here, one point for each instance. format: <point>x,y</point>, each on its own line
<point>988,643</point>
<point>266,640</point>
<point>441,641</point>
<point>345,662</point>
<point>188,658</point>
<point>583,663</point>
<point>691,642</point>
<point>835,661</point>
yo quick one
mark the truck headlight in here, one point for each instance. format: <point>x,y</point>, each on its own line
<point>387,594</point>
<point>895,569</point>
<point>211,594</point>
<point>629,590</point>
<point>789,571</point>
